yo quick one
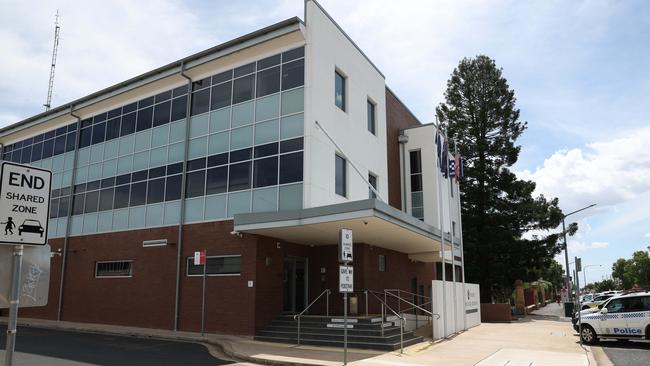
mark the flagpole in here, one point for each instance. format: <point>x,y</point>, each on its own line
<point>451,234</point>
<point>205,266</point>
<point>442,235</point>
<point>458,167</point>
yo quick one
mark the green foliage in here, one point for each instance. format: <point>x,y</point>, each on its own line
<point>479,113</point>
<point>553,273</point>
<point>604,285</point>
<point>632,272</point>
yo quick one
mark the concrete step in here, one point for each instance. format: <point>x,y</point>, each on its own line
<point>339,343</point>
<point>392,338</point>
<point>329,330</point>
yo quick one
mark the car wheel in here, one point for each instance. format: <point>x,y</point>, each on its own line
<point>588,335</point>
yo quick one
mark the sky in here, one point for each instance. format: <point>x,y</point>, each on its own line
<point>579,70</point>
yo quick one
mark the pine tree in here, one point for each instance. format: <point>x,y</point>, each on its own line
<point>480,114</point>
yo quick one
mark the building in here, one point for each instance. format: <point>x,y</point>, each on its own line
<point>258,150</point>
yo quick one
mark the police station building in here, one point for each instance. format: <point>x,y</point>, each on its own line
<point>258,150</point>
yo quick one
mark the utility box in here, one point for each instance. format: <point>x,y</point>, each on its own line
<point>354,305</point>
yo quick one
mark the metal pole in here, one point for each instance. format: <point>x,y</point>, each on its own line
<point>401,335</point>
<point>298,330</point>
<point>566,260</point>
<point>442,247</point>
<point>13,305</point>
<point>366,293</point>
<point>345,328</point>
<point>327,304</point>
<point>205,266</point>
<point>579,315</point>
<point>382,320</point>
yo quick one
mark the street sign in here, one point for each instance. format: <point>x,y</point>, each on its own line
<point>346,279</point>
<point>34,276</point>
<point>24,204</point>
<point>199,258</point>
<point>578,264</point>
<point>345,245</point>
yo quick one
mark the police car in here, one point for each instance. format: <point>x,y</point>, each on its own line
<point>621,317</point>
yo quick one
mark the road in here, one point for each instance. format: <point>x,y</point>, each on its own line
<point>630,353</point>
<point>47,347</point>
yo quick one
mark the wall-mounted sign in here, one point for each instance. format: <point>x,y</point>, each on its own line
<point>24,204</point>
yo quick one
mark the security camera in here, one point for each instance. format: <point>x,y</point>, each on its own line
<point>235,232</point>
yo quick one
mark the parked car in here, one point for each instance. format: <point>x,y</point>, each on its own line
<point>623,317</point>
<point>586,298</point>
<point>597,300</point>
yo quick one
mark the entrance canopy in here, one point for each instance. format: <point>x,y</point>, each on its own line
<point>372,222</point>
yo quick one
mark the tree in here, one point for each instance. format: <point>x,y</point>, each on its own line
<point>634,271</point>
<point>499,211</point>
<point>554,274</point>
<point>604,285</point>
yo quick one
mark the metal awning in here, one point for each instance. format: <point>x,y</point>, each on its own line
<point>373,222</point>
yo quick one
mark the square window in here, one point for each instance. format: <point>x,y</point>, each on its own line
<point>339,90</point>
<point>265,200</point>
<point>267,108</point>
<point>242,114</point>
<point>156,191</point>
<point>290,197</point>
<point>215,207</point>
<point>239,202</point>
<point>138,194</point>
<point>340,179</point>
<point>220,120</point>
<point>266,132</point>
<point>292,101</point>
<point>265,172</point>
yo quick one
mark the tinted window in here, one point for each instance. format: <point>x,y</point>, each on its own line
<point>48,147</point>
<point>239,155</point>
<point>221,95</point>
<point>99,132</point>
<point>63,206</point>
<point>200,101</point>
<point>240,176</point>
<point>268,62</point>
<point>246,69</point>
<point>219,159</point>
<point>106,199</point>
<point>220,78</point>
<point>291,145</point>
<point>128,124</point>
<point>163,96</point>
<point>293,74</point>
<point>266,150</point>
<point>265,172</point>
<point>243,89</point>
<point>113,129</point>
<point>70,141</point>
<point>339,90</point>
<point>92,200</point>
<point>54,208</point>
<point>416,162</point>
<point>156,191</point>
<point>268,81</point>
<point>130,107</point>
<point>59,145</point>
<point>196,164</point>
<point>195,184</point>
<point>200,84</point>
<point>37,151</point>
<point>179,108</point>
<point>371,117</point>
<point>291,168</point>
<point>161,113</point>
<point>138,194</point>
<point>86,135</point>
<point>144,118</point>
<point>293,54</point>
<point>340,176</point>
<point>173,191</point>
<point>122,196</point>
<point>217,180</point>
<point>179,91</point>
<point>78,204</point>
<point>145,102</point>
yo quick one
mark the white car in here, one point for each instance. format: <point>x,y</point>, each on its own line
<point>597,300</point>
<point>621,317</point>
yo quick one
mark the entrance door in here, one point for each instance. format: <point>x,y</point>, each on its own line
<point>295,284</point>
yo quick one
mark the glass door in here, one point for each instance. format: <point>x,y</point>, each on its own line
<point>294,284</point>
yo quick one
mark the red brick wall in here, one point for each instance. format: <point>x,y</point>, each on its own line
<point>397,117</point>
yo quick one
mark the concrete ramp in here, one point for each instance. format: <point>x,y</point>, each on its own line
<point>523,357</point>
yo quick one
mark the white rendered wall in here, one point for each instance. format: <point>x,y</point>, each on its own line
<point>327,50</point>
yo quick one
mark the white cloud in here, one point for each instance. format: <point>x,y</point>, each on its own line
<point>605,172</point>
<point>599,245</point>
<point>647,235</point>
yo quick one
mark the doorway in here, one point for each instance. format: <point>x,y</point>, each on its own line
<point>294,284</point>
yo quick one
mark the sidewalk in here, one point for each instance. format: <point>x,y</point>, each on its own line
<point>532,339</point>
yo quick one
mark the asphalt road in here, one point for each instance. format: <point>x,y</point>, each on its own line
<point>47,347</point>
<point>629,353</point>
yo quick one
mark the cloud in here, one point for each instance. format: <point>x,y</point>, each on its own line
<point>599,245</point>
<point>604,172</point>
<point>647,235</point>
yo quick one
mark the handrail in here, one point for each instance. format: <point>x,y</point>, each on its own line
<point>400,317</point>
<point>327,309</point>
<point>407,292</point>
<point>415,306</point>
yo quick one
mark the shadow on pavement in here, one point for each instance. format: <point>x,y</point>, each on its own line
<point>631,344</point>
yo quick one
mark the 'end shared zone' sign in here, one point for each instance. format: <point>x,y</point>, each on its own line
<point>24,204</point>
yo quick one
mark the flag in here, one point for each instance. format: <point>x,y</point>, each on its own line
<point>199,258</point>
<point>444,167</point>
<point>438,148</point>
<point>452,168</point>
<point>460,167</point>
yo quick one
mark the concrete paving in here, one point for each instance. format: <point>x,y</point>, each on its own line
<point>538,340</point>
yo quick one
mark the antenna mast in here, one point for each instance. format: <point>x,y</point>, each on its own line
<point>54,52</point>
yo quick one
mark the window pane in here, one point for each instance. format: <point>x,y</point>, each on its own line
<point>240,176</point>
<point>200,101</point>
<point>37,151</point>
<point>122,196</point>
<point>92,200</point>
<point>145,102</point>
<point>138,194</point>
<point>373,182</point>
<point>243,89</point>
<point>268,62</point>
<point>70,141</point>
<point>265,172</point>
<point>246,69</point>
<point>339,90</point>
<point>293,54</point>
<point>161,113</point>
<point>145,116</point>
<point>340,178</point>
<point>291,168</point>
<point>266,150</point>
<point>221,95</point>
<point>416,163</point>
<point>54,208</point>
<point>181,90</point>
<point>239,155</point>
<point>293,74</point>
<point>48,148</point>
<point>173,191</point>
<point>179,108</point>
<point>63,206</point>
<point>106,199</point>
<point>78,204</point>
<point>99,133</point>
<point>215,266</point>
<point>220,78</point>
<point>416,182</point>
<point>268,81</point>
<point>113,128</point>
<point>291,145</point>
<point>156,191</point>
<point>200,84</point>
<point>128,124</point>
<point>371,118</point>
<point>195,184</point>
<point>219,159</point>
<point>217,180</point>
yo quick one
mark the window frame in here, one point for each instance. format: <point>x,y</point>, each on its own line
<point>130,275</point>
<point>345,175</point>
<point>372,194</point>
<point>371,106</point>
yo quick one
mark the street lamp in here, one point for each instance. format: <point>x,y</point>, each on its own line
<point>566,247</point>
<point>584,271</point>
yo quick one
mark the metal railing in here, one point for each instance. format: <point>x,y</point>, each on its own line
<point>327,308</point>
<point>413,306</point>
<point>384,306</point>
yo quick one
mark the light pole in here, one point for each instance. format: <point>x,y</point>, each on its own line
<point>584,271</point>
<point>566,248</point>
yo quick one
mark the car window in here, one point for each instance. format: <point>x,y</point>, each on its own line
<point>615,306</point>
<point>634,304</point>
<point>646,302</point>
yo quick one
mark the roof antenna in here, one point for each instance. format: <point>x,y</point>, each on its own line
<point>57,28</point>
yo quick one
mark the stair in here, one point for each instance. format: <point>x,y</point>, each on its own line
<point>363,332</point>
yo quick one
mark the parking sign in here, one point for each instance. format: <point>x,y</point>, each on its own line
<point>24,204</point>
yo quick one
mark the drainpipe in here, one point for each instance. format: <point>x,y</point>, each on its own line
<point>403,139</point>
<point>179,244</point>
<point>64,255</point>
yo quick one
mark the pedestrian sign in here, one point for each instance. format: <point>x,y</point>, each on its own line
<point>346,279</point>
<point>24,204</point>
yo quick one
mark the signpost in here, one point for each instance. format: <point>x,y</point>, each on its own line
<point>200,258</point>
<point>24,209</point>
<point>346,281</point>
